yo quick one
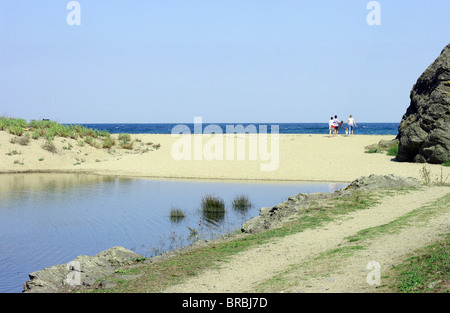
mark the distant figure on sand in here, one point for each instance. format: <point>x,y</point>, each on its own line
<point>332,126</point>
<point>338,124</point>
<point>350,124</point>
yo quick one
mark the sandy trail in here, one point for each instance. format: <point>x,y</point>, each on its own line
<point>245,271</point>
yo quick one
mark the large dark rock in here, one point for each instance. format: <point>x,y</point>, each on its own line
<point>424,131</point>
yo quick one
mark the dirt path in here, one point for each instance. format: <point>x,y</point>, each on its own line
<point>254,270</point>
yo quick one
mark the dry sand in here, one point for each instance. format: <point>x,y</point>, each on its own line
<point>299,157</point>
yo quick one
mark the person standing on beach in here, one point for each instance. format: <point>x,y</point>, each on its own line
<point>337,123</point>
<point>350,124</point>
<point>331,126</point>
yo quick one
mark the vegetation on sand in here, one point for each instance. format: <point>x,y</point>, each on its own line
<point>46,129</point>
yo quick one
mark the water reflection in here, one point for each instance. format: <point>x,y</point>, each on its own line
<point>49,219</point>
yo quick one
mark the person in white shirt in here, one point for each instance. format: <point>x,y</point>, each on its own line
<point>337,123</point>
<point>350,124</point>
<point>331,126</point>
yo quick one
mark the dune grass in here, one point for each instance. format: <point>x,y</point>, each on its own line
<point>47,129</point>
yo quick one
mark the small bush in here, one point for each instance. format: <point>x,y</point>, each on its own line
<point>16,130</point>
<point>23,141</point>
<point>446,163</point>
<point>108,142</point>
<point>49,146</point>
<point>126,145</point>
<point>124,137</point>
<point>425,174</point>
<point>89,140</point>
<point>35,135</point>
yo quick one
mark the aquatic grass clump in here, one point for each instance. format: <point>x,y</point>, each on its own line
<point>213,208</point>
<point>212,204</point>
<point>176,215</point>
<point>241,203</point>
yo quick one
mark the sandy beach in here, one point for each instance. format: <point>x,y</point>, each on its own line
<point>295,157</point>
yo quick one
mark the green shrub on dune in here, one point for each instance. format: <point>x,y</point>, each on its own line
<point>49,130</point>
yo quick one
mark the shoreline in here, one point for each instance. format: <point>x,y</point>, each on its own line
<point>201,179</point>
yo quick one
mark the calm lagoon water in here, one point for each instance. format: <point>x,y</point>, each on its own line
<point>50,219</point>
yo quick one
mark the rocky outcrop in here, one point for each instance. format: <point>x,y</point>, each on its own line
<point>424,131</point>
<point>83,271</point>
<point>382,181</point>
<point>270,217</point>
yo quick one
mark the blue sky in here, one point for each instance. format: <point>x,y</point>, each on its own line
<point>150,61</point>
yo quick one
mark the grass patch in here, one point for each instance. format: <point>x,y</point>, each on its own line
<point>446,163</point>
<point>418,215</point>
<point>393,151</point>
<point>428,271</point>
<point>388,146</point>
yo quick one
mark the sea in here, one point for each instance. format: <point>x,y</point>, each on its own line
<point>283,128</point>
